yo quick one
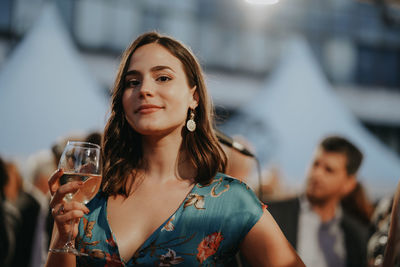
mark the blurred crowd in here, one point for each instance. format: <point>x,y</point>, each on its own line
<point>25,215</point>
<point>26,221</point>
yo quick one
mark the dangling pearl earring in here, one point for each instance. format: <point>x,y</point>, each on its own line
<point>191,124</point>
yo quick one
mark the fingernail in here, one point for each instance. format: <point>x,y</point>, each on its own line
<point>80,183</point>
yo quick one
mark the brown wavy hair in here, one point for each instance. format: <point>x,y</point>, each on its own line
<point>122,147</point>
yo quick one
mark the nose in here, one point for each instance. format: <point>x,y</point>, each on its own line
<point>145,88</point>
<point>315,172</point>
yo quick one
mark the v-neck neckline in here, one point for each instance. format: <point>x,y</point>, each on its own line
<point>153,235</point>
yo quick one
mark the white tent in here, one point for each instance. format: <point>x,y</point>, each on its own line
<point>295,110</point>
<point>46,91</point>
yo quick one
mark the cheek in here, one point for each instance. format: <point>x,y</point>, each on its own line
<point>179,101</point>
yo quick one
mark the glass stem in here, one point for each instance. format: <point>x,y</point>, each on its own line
<point>70,243</point>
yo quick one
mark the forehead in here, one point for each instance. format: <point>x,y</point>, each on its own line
<point>332,159</point>
<point>151,55</point>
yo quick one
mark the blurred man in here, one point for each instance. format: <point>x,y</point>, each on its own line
<point>28,208</point>
<point>314,223</point>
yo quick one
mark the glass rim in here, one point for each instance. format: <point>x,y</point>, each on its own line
<point>83,144</point>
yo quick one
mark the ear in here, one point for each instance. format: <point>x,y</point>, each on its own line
<point>195,97</point>
<point>349,185</point>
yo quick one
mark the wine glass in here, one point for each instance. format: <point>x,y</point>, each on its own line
<point>80,161</point>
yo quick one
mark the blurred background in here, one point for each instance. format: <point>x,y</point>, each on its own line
<point>281,75</point>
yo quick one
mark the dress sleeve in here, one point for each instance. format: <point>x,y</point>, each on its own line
<point>243,209</point>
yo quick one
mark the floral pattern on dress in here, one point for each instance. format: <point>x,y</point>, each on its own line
<point>88,227</point>
<point>111,242</point>
<point>214,190</point>
<point>170,258</point>
<point>113,260</point>
<point>209,246</point>
<point>264,206</point>
<point>196,200</point>
<point>169,226</point>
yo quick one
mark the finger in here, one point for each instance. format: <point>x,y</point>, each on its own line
<point>68,188</point>
<point>58,209</point>
<point>75,205</point>
<point>53,181</point>
<point>70,215</point>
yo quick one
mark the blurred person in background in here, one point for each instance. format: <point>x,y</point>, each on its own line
<point>29,209</point>
<point>94,138</point>
<point>384,242</point>
<point>242,167</point>
<point>9,221</point>
<point>239,165</point>
<point>358,204</point>
<point>58,147</point>
<point>380,230</point>
<point>323,233</point>
<point>14,186</point>
<point>163,193</point>
<point>41,168</point>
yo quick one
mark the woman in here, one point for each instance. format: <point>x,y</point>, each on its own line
<point>163,193</point>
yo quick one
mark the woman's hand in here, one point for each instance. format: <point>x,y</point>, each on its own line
<point>63,212</point>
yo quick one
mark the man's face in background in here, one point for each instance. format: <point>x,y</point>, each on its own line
<point>327,177</point>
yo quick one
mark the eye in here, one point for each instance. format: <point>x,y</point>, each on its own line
<point>163,78</point>
<point>329,170</point>
<point>132,83</point>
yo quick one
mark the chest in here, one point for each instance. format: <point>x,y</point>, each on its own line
<point>205,229</point>
<point>133,220</point>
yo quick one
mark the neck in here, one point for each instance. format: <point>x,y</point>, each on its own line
<point>161,156</point>
<point>325,209</point>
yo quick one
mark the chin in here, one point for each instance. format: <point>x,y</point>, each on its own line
<point>314,197</point>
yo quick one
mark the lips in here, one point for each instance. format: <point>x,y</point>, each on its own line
<point>147,108</point>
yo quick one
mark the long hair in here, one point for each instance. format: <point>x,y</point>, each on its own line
<point>122,148</point>
<point>358,204</point>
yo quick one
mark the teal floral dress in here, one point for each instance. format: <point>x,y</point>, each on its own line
<point>206,230</point>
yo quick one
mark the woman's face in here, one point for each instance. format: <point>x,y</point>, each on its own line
<point>157,96</point>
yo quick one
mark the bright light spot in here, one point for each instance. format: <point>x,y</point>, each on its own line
<point>262,2</point>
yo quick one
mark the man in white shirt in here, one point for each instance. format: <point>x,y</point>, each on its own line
<point>322,233</point>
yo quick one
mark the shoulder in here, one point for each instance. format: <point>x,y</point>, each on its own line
<point>235,193</point>
<point>236,202</point>
<point>231,185</point>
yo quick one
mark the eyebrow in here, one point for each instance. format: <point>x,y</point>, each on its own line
<point>153,69</point>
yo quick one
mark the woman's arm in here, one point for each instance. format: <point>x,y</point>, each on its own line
<point>59,259</point>
<point>266,245</point>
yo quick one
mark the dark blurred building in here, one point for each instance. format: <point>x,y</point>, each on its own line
<point>357,43</point>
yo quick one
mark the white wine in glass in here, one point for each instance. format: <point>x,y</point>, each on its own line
<point>80,161</point>
<point>90,187</point>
